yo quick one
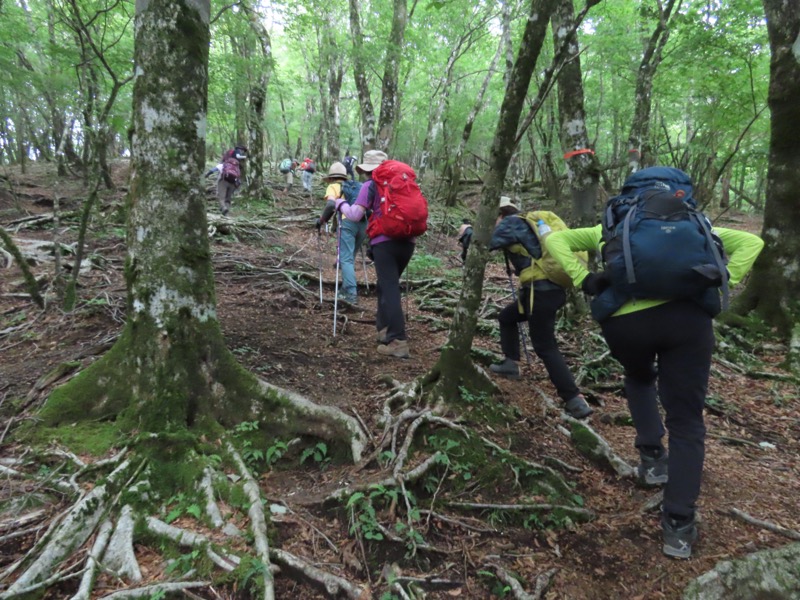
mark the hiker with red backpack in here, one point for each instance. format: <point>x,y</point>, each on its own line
<point>229,176</point>
<point>307,169</point>
<point>537,303</point>
<point>399,215</point>
<point>351,234</point>
<point>665,278</point>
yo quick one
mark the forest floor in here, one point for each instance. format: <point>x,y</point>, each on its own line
<point>279,330</point>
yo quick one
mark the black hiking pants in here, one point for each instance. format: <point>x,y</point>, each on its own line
<point>666,353</point>
<point>391,259</point>
<point>542,327</point>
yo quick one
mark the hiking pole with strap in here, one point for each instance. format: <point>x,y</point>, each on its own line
<point>336,288</point>
<point>522,335</point>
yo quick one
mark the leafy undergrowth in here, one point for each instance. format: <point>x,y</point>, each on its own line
<point>268,304</point>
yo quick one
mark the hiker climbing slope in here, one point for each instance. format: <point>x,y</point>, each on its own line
<point>390,191</point>
<point>655,301</point>
<point>351,234</point>
<point>541,294</point>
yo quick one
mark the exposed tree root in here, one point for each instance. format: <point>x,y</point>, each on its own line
<point>540,587</point>
<point>119,558</point>
<point>258,522</point>
<point>743,516</point>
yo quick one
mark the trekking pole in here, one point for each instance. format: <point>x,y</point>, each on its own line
<point>319,261</point>
<point>520,326</point>
<point>364,260</point>
<point>336,288</point>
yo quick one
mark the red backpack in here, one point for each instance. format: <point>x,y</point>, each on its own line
<point>403,211</point>
<point>230,171</point>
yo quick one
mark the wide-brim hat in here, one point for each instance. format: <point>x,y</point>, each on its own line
<point>337,171</point>
<point>372,159</point>
<point>506,201</point>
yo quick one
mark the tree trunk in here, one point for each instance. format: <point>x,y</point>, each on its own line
<point>362,83</point>
<point>389,89</point>
<point>774,289</point>
<point>259,82</point>
<point>582,167</point>
<point>170,371</point>
<point>638,145</point>
<point>454,367</point>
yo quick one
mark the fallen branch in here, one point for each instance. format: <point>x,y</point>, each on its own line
<point>157,590</point>
<point>790,533</point>
<point>331,584</point>
<point>583,514</point>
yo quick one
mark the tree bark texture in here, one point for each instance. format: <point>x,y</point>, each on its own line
<point>390,88</point>
<point>362,83</point>
<point>639,154</point>
<point>455,364</point>
<point>581,163</point>
<point>774,290</point>
<point>259,82</point>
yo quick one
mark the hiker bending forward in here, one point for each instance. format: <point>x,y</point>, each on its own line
<point>537,303</point>
<point>391,258</point>
<point>664,346</point>
<point>351,233</point>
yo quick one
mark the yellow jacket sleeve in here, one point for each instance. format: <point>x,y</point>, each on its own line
<point>562,244</point>
<point>742,249</point>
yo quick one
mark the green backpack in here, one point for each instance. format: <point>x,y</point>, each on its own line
<point>549,265</point>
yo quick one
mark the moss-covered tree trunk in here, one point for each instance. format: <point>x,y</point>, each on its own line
<point>454,367</point>
<point>582,167</point>
<point>774,289</point>
<point>259,82</point>
<point>170,370</point>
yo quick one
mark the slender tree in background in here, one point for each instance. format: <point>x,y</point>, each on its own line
<point>774,288</point>
<point>390,99</point>
<point>580,160</point>
<point>639,153</point>
<point>367,110</point>
<point>454,367</point>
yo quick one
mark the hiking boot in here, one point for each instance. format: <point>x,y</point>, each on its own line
<point>577,407</point>
<point>395,348</point>
<point>351,300</point>
<point>508,369</point>
<point>678,536</point>
<point>653,469</point>
<point>382,335</point>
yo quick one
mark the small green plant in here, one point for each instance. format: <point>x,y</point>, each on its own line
<point>184,563</point>
<point>318,452</point>
<point>181,505</point>
<point>423,264</point>
<point>275,452</point>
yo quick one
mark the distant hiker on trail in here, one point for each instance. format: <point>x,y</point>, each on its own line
<point>537,302</point>
<point>307,168</point>
<point>228,176</point>
<point>399,215</point>
<point>351,234</point>
<point>655,302</point>
<point>349,162</point>
<point>287,167</point>
<point>465,238</point>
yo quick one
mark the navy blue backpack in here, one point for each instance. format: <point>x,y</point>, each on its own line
<point>350,190</point>
<point>657,245</point>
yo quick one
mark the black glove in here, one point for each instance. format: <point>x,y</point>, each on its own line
<point>210,172</point>
<point>318,224</point>
<point>595,283</point>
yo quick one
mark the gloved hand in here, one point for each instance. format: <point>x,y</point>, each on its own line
<point>595,283</point>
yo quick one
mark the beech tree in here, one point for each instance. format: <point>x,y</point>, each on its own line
<point>774,289</point>
<point>169,382</point>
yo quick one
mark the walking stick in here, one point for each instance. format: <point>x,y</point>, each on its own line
<point>336,292</point>
<point>520,326</point>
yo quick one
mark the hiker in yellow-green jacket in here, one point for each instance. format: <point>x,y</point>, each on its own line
<point>664,344</point>
<point>537,304</point>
